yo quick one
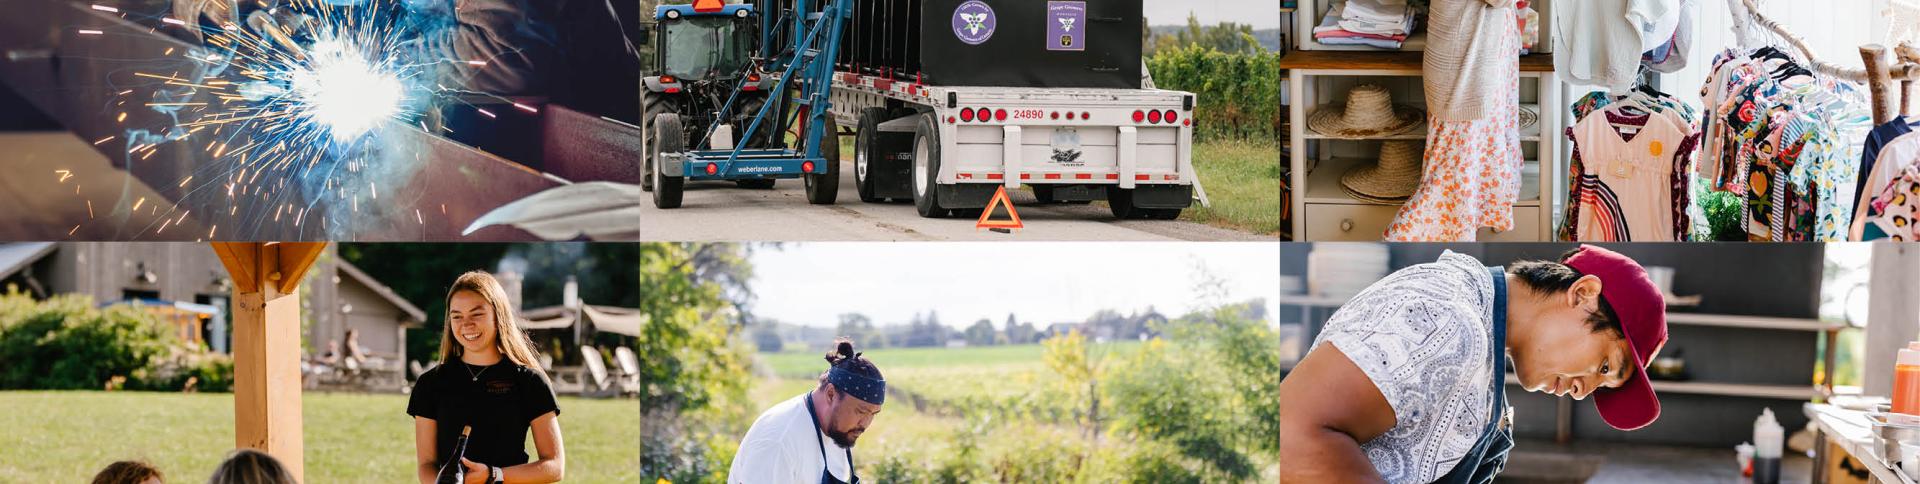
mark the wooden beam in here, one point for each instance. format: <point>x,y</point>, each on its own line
<point>266,345</point>
<point>1879,82</point>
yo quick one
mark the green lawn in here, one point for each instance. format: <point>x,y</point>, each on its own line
<point>68,436</point>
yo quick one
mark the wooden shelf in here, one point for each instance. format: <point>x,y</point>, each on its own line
<point>1323,183</point>
<point>1781,392</point>
<point>1751,322</point>
<point>1530,134</point>
<point>1312,301</point>
<point>1378,60</point>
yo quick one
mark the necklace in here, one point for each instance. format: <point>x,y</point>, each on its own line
<point>476,376</point>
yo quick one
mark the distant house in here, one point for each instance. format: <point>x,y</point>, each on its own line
<point>186,285</point>
<point>1060,329</point>
<point>344,297</point>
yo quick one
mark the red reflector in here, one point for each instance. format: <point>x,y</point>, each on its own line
<point>995,176</point>
<point>1153,117</point>
<point>712,168</point>
<point>1142,177</point>
<point>750,88</point>
<point>1000,115</point>
<point>1172,116</point>
<point>673,90</point>
<point>1139,116</point>
<point>1025,176</point>
<point>1056,115</point>
<point>949,119</point>
<point>1083,176</point>
<point>1113,176</point>
<point>1069,115</point>
<point>806,166</point>
<point>1053,176</point>
<point>1187,123</point>
<point>1084,115</point>
<point>966,115</point>
<point>983,114</point>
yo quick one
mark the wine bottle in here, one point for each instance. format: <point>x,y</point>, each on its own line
<point>452,472</point>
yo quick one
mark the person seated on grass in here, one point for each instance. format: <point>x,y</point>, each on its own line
<point>128,472</point>
<point>788,442</point>
<point>248,466</point>
<point>490,380</point>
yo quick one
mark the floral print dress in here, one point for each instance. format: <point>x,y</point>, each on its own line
<point>1472,175</point>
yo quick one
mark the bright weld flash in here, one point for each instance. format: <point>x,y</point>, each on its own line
<point>338,88</point>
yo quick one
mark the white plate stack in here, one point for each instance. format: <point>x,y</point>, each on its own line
<point>1341,271</point>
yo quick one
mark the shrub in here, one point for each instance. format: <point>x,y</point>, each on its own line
<point>64,343</point>
<point>1238,95</point>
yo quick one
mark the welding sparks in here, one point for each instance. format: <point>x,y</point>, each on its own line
<point>343,91</point>
<point>90,32</point>
<point>105,8</point>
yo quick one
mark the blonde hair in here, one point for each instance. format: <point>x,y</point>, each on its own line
<point>508,338</point>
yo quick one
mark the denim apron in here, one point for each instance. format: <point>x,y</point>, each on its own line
<point>826,477</point>
<point>1489,455</point>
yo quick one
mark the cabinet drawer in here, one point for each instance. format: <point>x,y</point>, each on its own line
<point>1368,223</point>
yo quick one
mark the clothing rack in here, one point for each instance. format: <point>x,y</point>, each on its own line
<point>1879,74</point>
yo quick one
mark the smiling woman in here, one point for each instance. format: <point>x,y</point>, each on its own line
<point>486,394</point>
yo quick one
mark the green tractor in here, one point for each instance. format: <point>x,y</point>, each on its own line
<point>700,55</point>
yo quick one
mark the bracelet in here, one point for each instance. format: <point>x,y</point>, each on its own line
<point>494,475</point>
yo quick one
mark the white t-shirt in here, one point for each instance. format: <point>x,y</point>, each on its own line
<point>1598,43</point>
<point>784,447</point>
<point>1423,336</point>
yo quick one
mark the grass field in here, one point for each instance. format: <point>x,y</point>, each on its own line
<point>996,373</point>
<point>68,436</point>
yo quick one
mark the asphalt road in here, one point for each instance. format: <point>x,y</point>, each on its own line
<point>720,211</point>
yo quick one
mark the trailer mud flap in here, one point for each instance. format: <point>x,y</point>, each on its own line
<point>966,195</point>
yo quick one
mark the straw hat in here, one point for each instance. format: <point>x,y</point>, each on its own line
<point>1392,180</point>
<point>1370,112</point>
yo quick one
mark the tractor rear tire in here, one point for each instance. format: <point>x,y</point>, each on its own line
<point>668,137</point>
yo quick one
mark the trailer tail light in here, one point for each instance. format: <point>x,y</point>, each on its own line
<point>1139,116</point>
<point>1153,117</point>
<point>1056,115</point>
<point>983,114</point>
<point>712,169</point>
<point>753,81</point>
<point>966,115</point>
<point>1172,116</point>
<point>668,80</point>
<point>806,166</point>
<point>1000,115</point>
<point>1085,115</point>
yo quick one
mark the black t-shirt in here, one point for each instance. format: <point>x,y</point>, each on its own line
<point>500,405</point>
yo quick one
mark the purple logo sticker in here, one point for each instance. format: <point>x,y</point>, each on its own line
<point>973,22</point>
<point>1066,25</point>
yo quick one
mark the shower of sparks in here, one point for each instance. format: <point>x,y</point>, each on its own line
<point>287,106</point>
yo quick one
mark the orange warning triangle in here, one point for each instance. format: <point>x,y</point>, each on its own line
<point>704,6</point>
<point>999,199</point>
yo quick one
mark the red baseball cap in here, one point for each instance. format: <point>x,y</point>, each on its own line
<point>1642,311</point>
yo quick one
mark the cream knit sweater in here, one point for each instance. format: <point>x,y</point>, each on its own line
<point>1466,59</point>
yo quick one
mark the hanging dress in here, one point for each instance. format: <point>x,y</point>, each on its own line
<point>1627,182</point>
<point>1472,174</point>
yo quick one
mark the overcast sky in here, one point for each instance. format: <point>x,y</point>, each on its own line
<point>1261,14</point>
<point>1042,282</point>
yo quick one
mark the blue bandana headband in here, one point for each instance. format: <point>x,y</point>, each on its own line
<point>872,390</point>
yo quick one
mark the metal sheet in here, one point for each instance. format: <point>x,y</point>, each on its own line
<point>86,82</point>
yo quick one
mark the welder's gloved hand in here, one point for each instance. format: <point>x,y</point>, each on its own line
<point>515,45</point>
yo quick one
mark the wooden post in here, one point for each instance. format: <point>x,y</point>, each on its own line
<point>266,345</point>
<point>1879,82</point>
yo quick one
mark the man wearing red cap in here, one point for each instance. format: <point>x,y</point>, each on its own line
<point>1405,383</point>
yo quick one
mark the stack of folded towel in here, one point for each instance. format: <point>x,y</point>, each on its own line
<point>1377,23</point>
